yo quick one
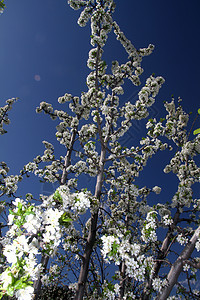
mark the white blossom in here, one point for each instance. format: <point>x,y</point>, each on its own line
<point>26,293</point>
<point>197,245</point>
<point>182,239</point>
<point>167,220</point>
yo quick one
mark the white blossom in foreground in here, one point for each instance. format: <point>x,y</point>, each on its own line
<point>5,279</point>
<point>25,294</point>
<point>33,229</point>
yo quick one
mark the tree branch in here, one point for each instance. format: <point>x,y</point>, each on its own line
<point>178,266</point>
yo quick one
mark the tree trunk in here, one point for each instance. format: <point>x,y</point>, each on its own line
<point>92,233</point>
<point>38,283</point>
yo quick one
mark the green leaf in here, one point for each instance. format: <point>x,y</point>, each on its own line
<point>199,111</point>
<point>20,208</point>
<point>10,290</point>
<point>127,232</point>
<point>115,247</point>
<point>29,212</point>
<point>110,286</point>
<point>12,212</point>
<point>65,220</point>
<point>2,5</point>
<point>1,295</point>
<point>57,197</point>
<point>20,284</point>
<point>196,131</point>
<point>103,63</point>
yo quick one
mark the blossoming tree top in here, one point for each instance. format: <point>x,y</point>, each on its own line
<point>106,240</point>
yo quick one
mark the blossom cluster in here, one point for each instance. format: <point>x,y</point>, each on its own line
<point>149,228</point>
<point>119,249</point>
<point>33,230</point>
<point>9,183</point>
<point>110,291</point>
<point>20,250</point>
<point>5,109</point>
<point>167,220</point>
<point>139,110</point>
<point>181,239</point>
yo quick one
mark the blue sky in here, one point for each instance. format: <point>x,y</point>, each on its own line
<point>43,54</point>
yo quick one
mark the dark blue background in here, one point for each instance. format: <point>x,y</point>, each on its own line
<point>42,38</point>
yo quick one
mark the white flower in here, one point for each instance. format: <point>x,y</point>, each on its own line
<point>167,220</point>
<point>107,243</point>
<point>54,269</point>
<point>117,288</point>
<point>33,246</point>
<point>30,268</point>
<point>18,200</point>
<point>196,292</point>
<point>10,219</point>
<point>181,239</point>
<point>129,295</point>
<point>135,249</point>
<point>32,224</point>
<point>12,231</point>
<point>156,189</point>
<point>150,215</point>
<point>186,267</point>
<point>73,286</point>
<point>157,284</point>
<point>82,202</point>
<point>5,279</point>
<point>25,294</point>
<point>45,279</point>
<point>10,253</point>
<point>148,231</point>
<point>51,216</point>
<point>197,245</point>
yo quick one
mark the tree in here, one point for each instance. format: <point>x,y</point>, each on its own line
<point>105,240</point>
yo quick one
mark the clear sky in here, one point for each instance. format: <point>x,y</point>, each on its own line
<point>43,54</point>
